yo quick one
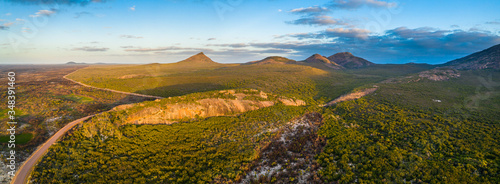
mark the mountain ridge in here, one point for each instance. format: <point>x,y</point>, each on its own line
<point>273,60</point>
<point>487,58</point>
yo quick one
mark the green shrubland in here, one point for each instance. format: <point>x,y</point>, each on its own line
<point>410,130</point>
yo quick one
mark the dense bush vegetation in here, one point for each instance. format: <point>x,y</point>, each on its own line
<point>408,131</point>
<point>400,134</point>
<point>45,102</point>
<point>217,149</point>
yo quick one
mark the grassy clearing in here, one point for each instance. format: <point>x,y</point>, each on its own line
<point>283,79</point>
<point>4,113</point>
<point>289,80</point>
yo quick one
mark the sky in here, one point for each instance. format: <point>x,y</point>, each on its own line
<point>238,31</point>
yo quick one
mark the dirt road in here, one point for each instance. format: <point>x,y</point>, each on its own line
<point>24,171</point>
<point>127,93</point>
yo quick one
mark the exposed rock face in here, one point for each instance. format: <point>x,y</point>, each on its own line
<point>347,60</point>
<point>489,58</point>
<point>292,102</point>
<point>439,74</point>
<point>123,107</point>
<point>274,60</point>
<point>168,113</point>
<point>202,108</point>
<point>317,59</point>
<point>353,96</point>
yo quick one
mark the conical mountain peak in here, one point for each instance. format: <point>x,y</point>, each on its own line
<point>198,58</point>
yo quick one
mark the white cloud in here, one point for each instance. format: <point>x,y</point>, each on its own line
<point>425,44</point>
<point>355,4</point>
<point>132,8</point>
<point>160,49</point>
<point>91,49</point>
<point>310,10</point>
<point>9,24</point>
<point>319,20</point>
<point>43,13</point>
<point>130,36</point>
<point>493,22</point>
<point>351,33</point>
<point>6,25</point>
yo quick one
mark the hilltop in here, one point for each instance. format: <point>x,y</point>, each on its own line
<point>274,60</point>
<point>347,60</point>
<point>75,63</point>
<point>198,59</point>
<point>488,58</point>
<point>317,59</point>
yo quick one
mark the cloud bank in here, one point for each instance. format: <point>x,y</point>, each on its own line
<point>355,4</point>
<point>56,2</point>
<point>91,49</point>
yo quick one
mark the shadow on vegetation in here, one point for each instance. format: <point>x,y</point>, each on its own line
<point>182,89</point>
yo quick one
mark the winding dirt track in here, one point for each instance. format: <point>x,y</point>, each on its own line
<point>24,171</point>
<point>127,93</point>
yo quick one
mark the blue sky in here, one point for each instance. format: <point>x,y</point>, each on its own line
<point>237,31</point>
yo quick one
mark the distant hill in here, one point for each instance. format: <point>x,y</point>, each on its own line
<point>489,58</point>
<point>347,60</point>
<point>83,63</point>
<point>274,60</point>
<point>319,60</point>
<point>198,59</point>
<point>75,63</point>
